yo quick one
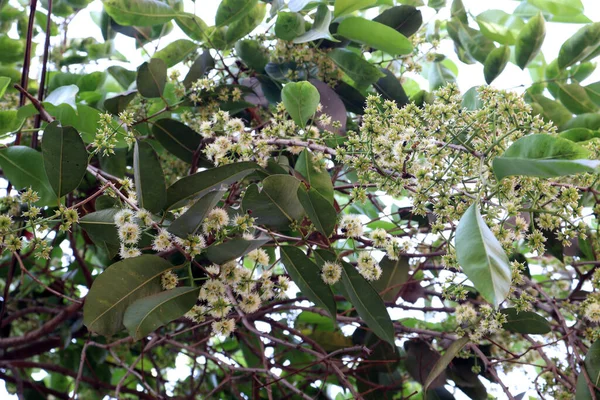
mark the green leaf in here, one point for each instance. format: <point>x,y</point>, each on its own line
<point>343,7</point>
<point>118,103</point>
<point>277,205</point>
<point>252,54</point>
<point>405,19</point>
<point>300,100</point>
<point>584,43</point>
<point>12,49</point>
<point>122,75</point>
<point>119,286</point>
<point>63,95</point>
<point>147,314</point>
<point>579,134</point>
<point>525,322</point>
<point>393,275</point>
<point>477,45</point>
<point>230,11</point>
<point>139,12</point>
<point>589,120</point>
<point>101,228</point>
<point>192,25</point>
<point>201,66</point>
<point>592,367</point>
<point>246,24</point>
<point>24,167</point>
<point>316,175</point>
<point>177,138</point>
<point>499,26</point>
<point>319,210</point>
<point>367,302</point>
<point>191,221</point>
<point>203,182</point>
<point>439,75</point>
<point>307,275</point>
<point>176,52</point>
<point>495,63</point>
<point>482,257</point>
<point>559,7</point>
<point>65,157</point>
<point>445,360</point>
<point>149,178</point>
<point>543,156</point>
<point>575,98</point>
<point>390,88</point>
<point>420,360</point>
<point>10,121</point>
<point>356,67</point>
<point>530,39</point>
<point>234,248</point>
<point>552,110</point>
<point>593,92</point>
<point>289,25</point>
<point>320,27</point>
<point>375,34</point>
<point>4,82</point>
<point>152,78</point>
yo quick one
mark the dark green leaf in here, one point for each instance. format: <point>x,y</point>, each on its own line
<point>177,138</point>
<point>151,78</point>
<point>589,120</point>
<point>495,63</point>
<point>65,157</point>
<point>420,360</point>
<point>439,75</point>
<point>575,98</point>
<point>289,25</point>
<point>24,167</point>
<point>592,367</point>
<point>101,228</point>
<point>203,182</point>
<point>201,66</point>
<point>192,25</point>
<point>191,221</point>
<point>118,103</point>
<point>139,12</point>
<point>543,156</point>
<point>230,11</point>
<point>316,175</point>
<point>482,257</point>
<point>375,34</point>
<point>246,24</point>
<point>579,134</point>
<point>580,46</point>
<point>552,110</point>
<point>356,67</point>
<point>352,98</point>
<point>319,210</point>
<point>525,322</point>
<point>300,100</point>
<point>277,205</point>
<point>176,51</point>
<point>124,76</point>
<point>393,275</point>
<point>390,88</point>
<point>117,287</point>
<point>252,53</point>
<point>149,178</point>
<point>234,248</point>
<point>147,314</point>
<point>530,39</point>
<point>444,361</point>
<point>368,304</point>
<point>12,49</point>
<point>405,19</point>
<point>307,276</point>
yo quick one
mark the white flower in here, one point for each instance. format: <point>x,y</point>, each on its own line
<point>215,220</point>
<point>331,272</point>
<point>465,313</point>
<point>259,256</point>
<point>351,225</point>
<point>144,216</point>
<point>219,308</point>
<point>250,303</point>
<point>196,314</point>
<point>122,217</point>
<point>129,233</point>
<point>224,327</point>
<point>379,237</point>
<point>212,290</point>
<point>592,312</point>
<point>169,280</point>
<point>162,241</point>
<point>129,251</point>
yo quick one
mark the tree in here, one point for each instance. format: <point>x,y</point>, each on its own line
<point>264,225</point>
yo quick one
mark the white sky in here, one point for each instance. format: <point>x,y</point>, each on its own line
<point>469,76</point>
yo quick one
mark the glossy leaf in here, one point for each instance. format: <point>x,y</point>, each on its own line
<point>320,27</point>
<point>300,100</point>
<point>316,175</point>
<point>307,275</point>
<point>203,182</point>
<point>65,157</point>
<point>420,360</point>
<point>23,167</point>
<point>151,78</point>
<point>592,367</point>
<point>201,66</point>
<point>191,221</point>
<point>149,178</point>
<point>439,76</point>
<point>119,286</point>
<point>375,34</point>
<point>192,25</point>
<point>100,227</point>
<point>343,7</point>
<point>176,51</point>
<point>405,19</point>
<point>246,24</point>
<point>63,95</point>
<point>390,88</point>
<point>252,53</point>
<point>234,248</point>
<point>552,110</point>
<point>585,42</point>
<point>289,25</point>
<point>139,12</point>
<point>118,103</point>
<point>543,156</point>
<point>319,210</point>
<point>481,257</point>
<point>147,314</point>
<point>230,11</point>
<point>177,138</point>
<point>393,275</point>
<point>579,134</point>
<point>530,39</point>
<point>495,63</point>
<point>445,360</point>
<point>367,302</point>
<point>499,26</point>
<point>575,98</point>
<point>357,68</point>
<point>525,322</point>
<point>277,204</point>
<point>122,75</point>
<point>559,7</point>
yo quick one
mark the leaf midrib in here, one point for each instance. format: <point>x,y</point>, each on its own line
<point>139,325</point>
